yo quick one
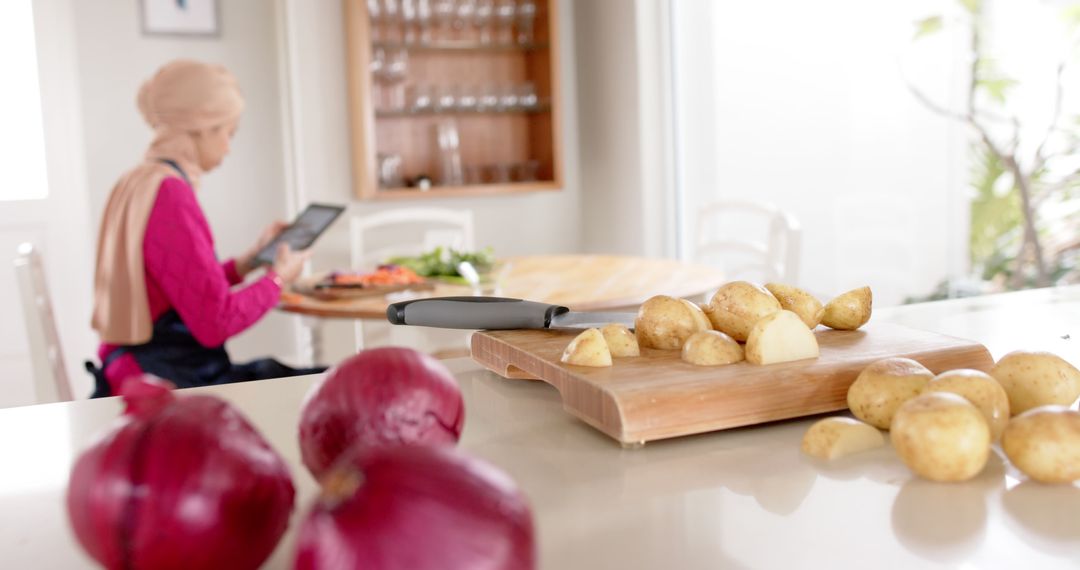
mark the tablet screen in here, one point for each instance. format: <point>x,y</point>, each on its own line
<point>303,232</point>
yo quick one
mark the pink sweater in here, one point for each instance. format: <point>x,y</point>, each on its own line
<point>183,273</point>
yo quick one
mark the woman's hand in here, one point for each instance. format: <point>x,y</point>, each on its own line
<point>245,263</point>
<point>288,263</point>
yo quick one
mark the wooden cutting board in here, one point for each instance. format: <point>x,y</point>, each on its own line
<point>657,395</point>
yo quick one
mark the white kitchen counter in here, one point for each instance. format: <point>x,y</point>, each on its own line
<point>733,499</point>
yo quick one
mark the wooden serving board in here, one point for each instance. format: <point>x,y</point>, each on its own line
<point>657,395</point>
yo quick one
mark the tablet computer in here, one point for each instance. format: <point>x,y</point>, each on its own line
<point>303,232</point>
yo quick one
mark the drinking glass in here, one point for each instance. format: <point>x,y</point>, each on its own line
<point>443,11</point>
<point>527,98</point>
<point>409,18</point>
<point>526,18</point>
<point>375,16</point>
<point>450,169</point>
<point>391,11</point>
<point>508,98</point>
<point>488,100</point>
<point>504,15</point>
<point>466,98</point>
<point>445,99</point>
<point>421,99</point>
<point>423,19</point>
<point>485,9</point>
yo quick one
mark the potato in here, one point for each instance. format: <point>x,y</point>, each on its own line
<point>941,436</point>
<point>883,386</point>
<point>621,342</point>
<point>780,337</point>
<point>793,299</point>
<point>1044,443</point>
<point>737,306</point>
<point>587,349</point>
<point>1033,379</point>
<point>666,322</point>
<point>980,389</point>
<point>710,348</point>
<point>836,437</point>
<point>850,310</point>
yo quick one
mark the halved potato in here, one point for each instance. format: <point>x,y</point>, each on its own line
<point>883,386</point>
<point>793,299</point>
<point>588,349</point>
<point>711,348</point>
<point>941,436</point>
<point>737,306</point>
<point>666,322</point>
<point>621,342</point>
<point>780,337</point>
<point>1044,443</point>
<point>980,389</point>
<point>1033,379</point>
<point>836,437</point>
<point>849,311</point>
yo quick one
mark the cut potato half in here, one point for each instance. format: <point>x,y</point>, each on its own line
<point>832,438</point>
<point>780,337</point>
<point>621,342</point>
<point>588,349</point>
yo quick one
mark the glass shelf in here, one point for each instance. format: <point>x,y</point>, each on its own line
<point>459,47</point>
<point>542,108</point>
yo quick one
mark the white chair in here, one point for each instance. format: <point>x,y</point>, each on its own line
<point>752,241</point>
<point>406,231</point>
<point>50,377</point>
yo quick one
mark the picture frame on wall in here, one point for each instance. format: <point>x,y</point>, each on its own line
<point>180,17</point>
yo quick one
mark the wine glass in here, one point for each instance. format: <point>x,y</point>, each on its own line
<point>375,16</point>
<point>423,18</point>
<point>465,11</point>
<point>526,18</point>
<point>408,21</point>
<point>391,11</point>
<point>485,9</point>
<point>443,10</point>
<point>504,15</point>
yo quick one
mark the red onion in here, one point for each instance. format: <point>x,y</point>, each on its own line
<point>416,508</point>
<point>179,482</point>
<point>381,396</point>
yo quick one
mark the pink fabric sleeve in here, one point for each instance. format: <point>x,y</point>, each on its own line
<point>179,254</point>
<point>231,274</point>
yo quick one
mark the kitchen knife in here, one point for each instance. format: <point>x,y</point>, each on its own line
<point>497,313</point>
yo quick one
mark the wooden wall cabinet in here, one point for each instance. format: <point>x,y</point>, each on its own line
<point>410,78</point>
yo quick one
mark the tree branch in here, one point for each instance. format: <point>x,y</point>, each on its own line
<point>1040,158</point>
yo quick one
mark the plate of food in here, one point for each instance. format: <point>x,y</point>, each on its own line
<point>386,278</point>
<point>445,265</point>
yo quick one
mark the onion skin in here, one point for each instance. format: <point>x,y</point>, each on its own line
<point>381,396</point>
<point>417,508</point>
<point>179,482</point>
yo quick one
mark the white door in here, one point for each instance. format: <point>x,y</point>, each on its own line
<point>43,196</point>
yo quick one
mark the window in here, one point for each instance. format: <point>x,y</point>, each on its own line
<point>22,138</point>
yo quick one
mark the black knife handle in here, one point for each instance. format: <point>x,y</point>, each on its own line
<point>491,313</point>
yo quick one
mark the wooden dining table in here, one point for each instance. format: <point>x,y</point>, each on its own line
<point>579,281</point>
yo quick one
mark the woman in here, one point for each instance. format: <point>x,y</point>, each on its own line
<point>163,303</point>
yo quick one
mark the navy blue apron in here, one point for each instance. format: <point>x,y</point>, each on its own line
<point>173,354</point>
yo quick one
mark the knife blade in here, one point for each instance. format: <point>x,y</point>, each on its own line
<point>497,313</point>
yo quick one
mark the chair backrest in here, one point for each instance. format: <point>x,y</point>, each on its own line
<point>411,231</point>
<point>50,377</point>
<point>753,241</point>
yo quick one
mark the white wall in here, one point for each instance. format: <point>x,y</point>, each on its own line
<point>247,192</point>
<point>546,222</point>
<point>803,104</point>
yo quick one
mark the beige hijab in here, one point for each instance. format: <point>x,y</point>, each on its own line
<point>182,99</point>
